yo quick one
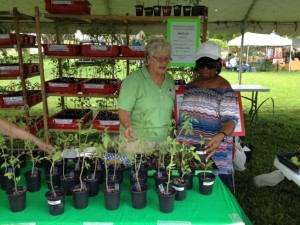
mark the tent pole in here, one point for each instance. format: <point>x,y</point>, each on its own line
<point>241,58</point>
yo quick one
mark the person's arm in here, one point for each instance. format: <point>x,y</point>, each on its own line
<point>10,129</point>
<point>215,141</point>
<point>124,117</point>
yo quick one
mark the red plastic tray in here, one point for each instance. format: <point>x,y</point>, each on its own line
<point>68,85</point>
<point>112,123</point>
<point>13,69</point>
<point>69,118</point>
<point>8,39</point>
<point>15,98</point>
<point>99,85</point>
<point>68,6</point>
<point>135,51</point>
<point>99,50</point>
<point>61,50</point>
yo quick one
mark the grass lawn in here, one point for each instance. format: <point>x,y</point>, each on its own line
<point>268,134</point>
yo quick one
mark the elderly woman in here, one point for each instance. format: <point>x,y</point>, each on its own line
<point>147,98</point>
<point>211,101</point>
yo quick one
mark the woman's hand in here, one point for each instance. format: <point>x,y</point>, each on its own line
<point>129,134</point>
<point>213,144</point>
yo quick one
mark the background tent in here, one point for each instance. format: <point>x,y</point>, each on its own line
<point>254,39</point>
<point>258,16</point>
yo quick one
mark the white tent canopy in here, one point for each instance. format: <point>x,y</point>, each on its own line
<point>254,39</point>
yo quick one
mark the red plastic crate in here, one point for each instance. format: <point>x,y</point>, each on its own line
<point>13,69</point>
<point>135,51</point>
<point>8,39</point>
<point>15,98</point>
<point>70,118</point>
<point>61,50</point>
<point>180,86</point>
<point>64,85</point>
<point>99,50</point>
<point>35,125</point>
<point>99,85</point>
<point>68,6</point>
<point>106,119</point>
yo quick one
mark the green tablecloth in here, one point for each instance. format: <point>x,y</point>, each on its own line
<point>219,208</point>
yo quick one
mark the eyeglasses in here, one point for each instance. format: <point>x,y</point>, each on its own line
<point>209,65</point>
<point>162,59</point>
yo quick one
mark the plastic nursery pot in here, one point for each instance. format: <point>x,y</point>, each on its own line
<point>177,10</point>
<point>17,200</point>
<point>139,10</point>
<point>68,182</point>
<point>56,202</point>
<point>33,180</point>
<point>180,186</point>
<point>112,199</point>
<point>206,182</point>
<point>139,197</point>
<point>92,184</point>
<point>166,200</point>
<point>148,11</point>
<point>157,10</point>
<point>187,10</point>
<point>80,197</point>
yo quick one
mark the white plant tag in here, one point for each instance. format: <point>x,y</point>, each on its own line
<point>62,85</point>
<point>61,2</point>
<point>54,202</point>
<point>137,48</point>
<point>12,100</point>
<point>4,36</point>
<point>178,188</point>
<point>117,186</point>
<point>96,86</point>
<point>208,183</point>
<point>99,48</point>
<point>161,188</point>
<point>109,122</point>
<point>58,48</point>
<point>9,68</point>
<point>63,121</point>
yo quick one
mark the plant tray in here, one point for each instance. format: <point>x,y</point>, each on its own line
<point>64,85</point>
<point>61,50</point>
<point>36,123</point>
<point>15,98</point>
<point>100,85</point>
<point>13,70</point>
<point>70,118</point>
<point>135,51</point>
<point>8,39</point>
<point>285,159</point>
<point>99,50</point>
<point>68,6</point>
<point>106,119</point>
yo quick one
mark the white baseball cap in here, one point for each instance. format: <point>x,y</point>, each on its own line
<point>208,49</point>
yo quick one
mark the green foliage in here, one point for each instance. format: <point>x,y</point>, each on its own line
<point>295,160</point>
<point>14,163</point>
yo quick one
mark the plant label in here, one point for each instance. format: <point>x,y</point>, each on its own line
<point>161,188</point>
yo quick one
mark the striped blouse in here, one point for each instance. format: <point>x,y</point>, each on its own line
<point>211,107</point>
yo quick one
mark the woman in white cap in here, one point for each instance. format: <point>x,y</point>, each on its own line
<point>210,99</point>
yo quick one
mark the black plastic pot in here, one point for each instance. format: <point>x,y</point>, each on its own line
<point>133,179</point>
<point>55,180</point>
<point>187,10</point>
<point>56,203</point>
<point>160,178</point>
<point>139,198</point>
<point>148,11</point>
<point>33,180</point>
<point>166,201</point>
<point>206,182</point>
<point>177,10</point>
<point>92,184</point>
<point>17,200</point>
<point>112,199</point>
<point>139,10</point>
<point>6,184</point>
<point>180,190</point>
<point>80,197</point>
<point>68,182</point>
<point>157,10</point>
<point>198,10</point>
